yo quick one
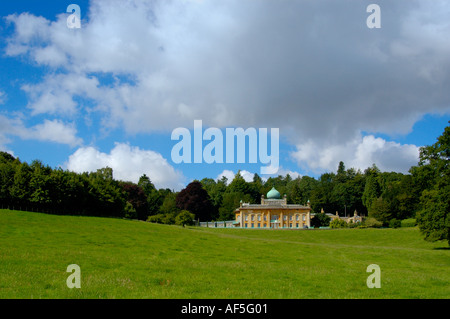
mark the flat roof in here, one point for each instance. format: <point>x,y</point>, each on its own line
<point>255,206</point>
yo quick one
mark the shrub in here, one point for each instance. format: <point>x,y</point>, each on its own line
<point>129,211</point>
<point>338,223</point>
<point>354,225</point>
<point>185,218</point>
<point>169,219</point>
<point>156,219</point>
<point>320,220</point>
<point>410,222</point>
<point>372,223</point>
<point>395,223</point>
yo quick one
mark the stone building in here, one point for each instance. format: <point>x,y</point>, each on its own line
<point>273,213</point>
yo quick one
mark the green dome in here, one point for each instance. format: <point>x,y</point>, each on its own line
<point>273,194</point>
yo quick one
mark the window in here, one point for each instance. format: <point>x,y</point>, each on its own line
<point>265,218</point>
<point>290,225</point>
<point>253,217</point>
<point>259,218</point>
<point>259,225</point>
<point>284,217</point>
<point>296,225</point>
<point>253,225</point>
<point>290,217</point>
<point>303,217</point>
<point>246,217</point>
<point>246,225</point>
<point>296,217</point>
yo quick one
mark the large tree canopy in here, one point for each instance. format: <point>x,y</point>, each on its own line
<point>195,199</point>
<point>434,216</point>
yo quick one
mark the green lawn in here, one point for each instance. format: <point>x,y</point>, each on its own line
<point>131,259</point>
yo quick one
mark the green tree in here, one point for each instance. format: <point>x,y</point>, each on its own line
<point>40,183</point>
<point>434,216</point>
<point>257,183</point>
<point>231,201</point>
<point>130,211</point>
<point>320,220</point>
<point>20,189</point>
<point>341,175</point>
<point>7,172</point>
<point>321,196</point>
<point>240,185</point>
<point>300,189</point>
<point>380,210</point>
<point>135,195</point>
<point>169,205</point>
<point>105,194</point>
<point>215,190</point>
<point>184,218</point>
<point>146,184</point>
<point>372,189</point>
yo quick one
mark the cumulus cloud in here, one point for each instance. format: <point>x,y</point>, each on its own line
<point>128,164</point>
<point>311,68</point>
<point>54,131</point>
<point>56,94</point>
<point>359,153</point>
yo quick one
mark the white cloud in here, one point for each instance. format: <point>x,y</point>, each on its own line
<point>228,174</point>
<point>56,94</point>
<point>248,177</point>
<point>128,164</point>
<point>28,29</point>
<point>311,68</point>
<point>54,131</point>
<point>360,153</point>
<point>283,172</point>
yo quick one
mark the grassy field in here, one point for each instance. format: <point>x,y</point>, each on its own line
<point>131,259</point>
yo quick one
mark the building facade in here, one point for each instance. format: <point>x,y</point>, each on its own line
<point>354,219</point>
<point>273,213</point>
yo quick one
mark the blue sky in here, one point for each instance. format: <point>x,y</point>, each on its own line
<point>112,92</point>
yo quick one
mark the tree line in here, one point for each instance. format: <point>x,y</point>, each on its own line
<point>385,196</point>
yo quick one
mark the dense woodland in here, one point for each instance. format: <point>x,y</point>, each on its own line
<point>385,196</point>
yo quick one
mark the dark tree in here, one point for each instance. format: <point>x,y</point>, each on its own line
<point>135,195</point>
<point>320,220</point>
<point>195,199</point>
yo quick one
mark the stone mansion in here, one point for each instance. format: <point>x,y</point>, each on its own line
<point>274,213</point>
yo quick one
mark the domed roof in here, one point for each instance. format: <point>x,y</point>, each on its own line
<point>273,194</point>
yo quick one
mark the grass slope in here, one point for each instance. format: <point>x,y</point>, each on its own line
<point>131,259</point>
